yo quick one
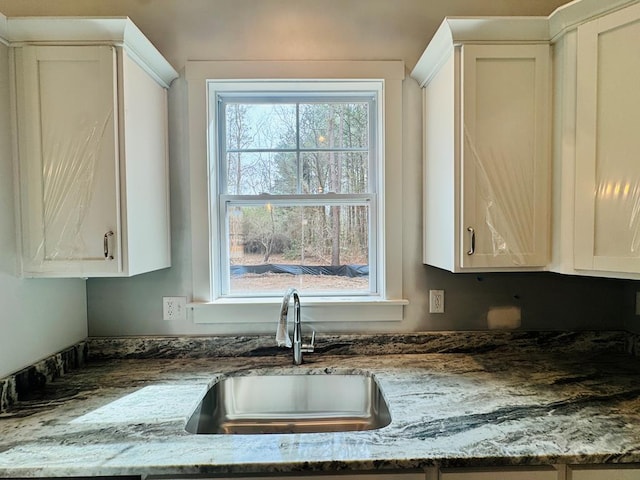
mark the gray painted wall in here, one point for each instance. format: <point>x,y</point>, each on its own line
<point>38,317</point>
<point>328,29</point>
<point>632,321</point>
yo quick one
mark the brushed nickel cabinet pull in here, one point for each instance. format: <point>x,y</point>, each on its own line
<point>107,255</point>
<point>472,238</point>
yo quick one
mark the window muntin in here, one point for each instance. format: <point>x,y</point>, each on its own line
<point>294,166</point>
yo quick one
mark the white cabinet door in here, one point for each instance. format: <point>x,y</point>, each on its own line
<point>487,159</point>
<point>92,162</point>
<point>522,473</point>
<point>603,473</point>
<point>607,198</point>
<point>69,175</point>
<point>505,155</point>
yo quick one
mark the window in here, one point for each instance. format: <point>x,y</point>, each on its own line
<point>241,191</point>
<point>295,192</point>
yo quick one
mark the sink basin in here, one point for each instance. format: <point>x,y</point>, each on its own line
<point>303,403</point>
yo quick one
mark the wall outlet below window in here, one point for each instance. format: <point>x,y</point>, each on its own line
<point>174,308</point>
<point>436,301</point>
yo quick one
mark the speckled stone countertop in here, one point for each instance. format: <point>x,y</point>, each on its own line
<point>572,404</point>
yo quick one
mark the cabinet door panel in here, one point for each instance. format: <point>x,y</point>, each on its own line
<point>607,225</point>
<point>337,476</point>
<point>542,473</point>
<point>505,156</point>
<point>603,473</point>
<point>67,125</point>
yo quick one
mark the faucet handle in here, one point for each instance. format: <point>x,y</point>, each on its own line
<point>309,347</point>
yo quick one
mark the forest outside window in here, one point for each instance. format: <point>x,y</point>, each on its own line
<point>295,187</point>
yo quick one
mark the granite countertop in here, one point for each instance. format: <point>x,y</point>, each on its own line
<point>489,407</point>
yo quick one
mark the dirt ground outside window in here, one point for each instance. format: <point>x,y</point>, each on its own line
<point>279,282</point>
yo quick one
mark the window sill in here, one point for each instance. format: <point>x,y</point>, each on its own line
<point>314,310</point>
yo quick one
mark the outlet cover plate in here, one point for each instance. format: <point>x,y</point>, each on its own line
<point>174,308</point>
<point>436,301</point>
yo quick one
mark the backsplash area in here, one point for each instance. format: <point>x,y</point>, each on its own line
<point>37,376</point>
<point>105,348</point>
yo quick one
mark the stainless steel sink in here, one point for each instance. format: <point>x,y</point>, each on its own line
<point>300,403</point>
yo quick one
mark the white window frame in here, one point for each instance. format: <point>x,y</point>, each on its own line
<point>319,89</point>
<point>387,305</point>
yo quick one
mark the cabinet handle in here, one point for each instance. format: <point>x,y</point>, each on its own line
<point>472,238</point>
<point>107,255</point>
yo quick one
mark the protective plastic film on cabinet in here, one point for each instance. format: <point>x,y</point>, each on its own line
<point>617,216</point>
<point>92,150</point>
<point>500,221</point>
<point>505,158</point>
<point>606,236</point>
<point>70,167</point>
<point>67,119</point>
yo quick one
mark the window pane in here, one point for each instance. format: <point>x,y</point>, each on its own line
<point>334,125</point>
<point>254,173</point>
<point>320,248</point>
<point>337,172</point>
<point>260,126</point>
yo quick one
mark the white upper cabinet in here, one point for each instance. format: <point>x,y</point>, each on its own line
<point>91,123</point>
<point>489,165</point>
<point>487,157</point>
<point>607,178</point>
<point>596,150</point>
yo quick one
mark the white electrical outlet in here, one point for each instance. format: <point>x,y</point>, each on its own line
<point>174,308</point>
<point>436,301</point>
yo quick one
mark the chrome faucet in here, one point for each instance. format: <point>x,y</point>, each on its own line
<point>282,334</point>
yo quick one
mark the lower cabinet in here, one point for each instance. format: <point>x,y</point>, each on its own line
<point>549,472</point>
<point>621,472</point>
<point>415,475</point>
<point>511,473</point>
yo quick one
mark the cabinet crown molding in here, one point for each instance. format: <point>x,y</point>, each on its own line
<point>116,31</point>
<point>3,30</point>
<point>569,16</point>
<point>455,31</point>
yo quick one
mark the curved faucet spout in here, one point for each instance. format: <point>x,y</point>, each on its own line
<point>282,333</point>
<point>297,334</point>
